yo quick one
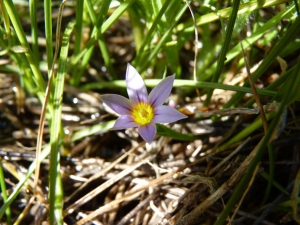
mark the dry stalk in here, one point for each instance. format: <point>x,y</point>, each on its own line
<point>256,97</point>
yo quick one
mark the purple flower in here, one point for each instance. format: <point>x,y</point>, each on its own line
<point>142,110</point>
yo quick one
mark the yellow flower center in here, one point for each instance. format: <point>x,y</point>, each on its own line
<point>142,113</point>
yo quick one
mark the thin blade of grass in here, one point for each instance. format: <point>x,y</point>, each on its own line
<point>78,36</point>
<point>170,133</point>
<point>225,47</point>
<point>4,193</point>
<point>274,183</point>
<point>48,32</point>
<point>187,84</point>
<point>34,29</point>
<point>55,187</point>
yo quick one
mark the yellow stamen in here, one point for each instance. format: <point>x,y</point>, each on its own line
<point>142,113</point>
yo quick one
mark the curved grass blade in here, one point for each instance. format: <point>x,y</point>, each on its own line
<point>188,84</point>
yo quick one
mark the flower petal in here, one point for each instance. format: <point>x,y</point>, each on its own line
<point>161,92</point>
<point>118,103</point>
<point>167,114</point>
<point>124,122</point>
<point>148,132</point>
<point>136,88</point>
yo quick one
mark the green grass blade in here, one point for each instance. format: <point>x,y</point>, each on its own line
<point>34,29</point>
<point>55,187</point>
<point>277,83</point>
<point>276,184</point>
<point>271,174</point>
<point>4,193</point>
<point>5,18</point>
<point>138,27</point>
<point>78,36</point>
<point>48,32</point>
<point>225,47</point>
<point>170,133</point>
<point>102,44</point>
<point>286,100</point>
<point>187,84</point>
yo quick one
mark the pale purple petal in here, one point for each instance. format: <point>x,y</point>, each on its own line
<point>148,132</point>
<point>136,88</point>
<point>167,114</point>
<point>118,103</point>
<point>124,122</point>
<point>161,92</point>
